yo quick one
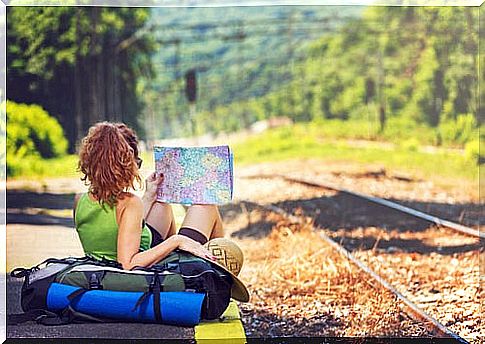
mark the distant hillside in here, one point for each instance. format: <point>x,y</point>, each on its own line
<point>239,53</point>
<point>401,70</point>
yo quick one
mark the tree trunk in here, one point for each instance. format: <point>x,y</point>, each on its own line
<point>78,83</point>
<point>101,81</point>
<point>116,87</point>
<point>109,70</point>
<point>94,108</point>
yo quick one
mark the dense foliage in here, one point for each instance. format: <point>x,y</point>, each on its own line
<point>32,134</point>
<point>405,71</point>
<point>243,54</point>
<point>81,64</point>
<point>409,67</point>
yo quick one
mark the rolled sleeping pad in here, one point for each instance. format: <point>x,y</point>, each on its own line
<point>177,307</point>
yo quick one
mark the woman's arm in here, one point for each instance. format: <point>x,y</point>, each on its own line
<point>147,206</point>
<point>129,236</point>
<point>149,197</point>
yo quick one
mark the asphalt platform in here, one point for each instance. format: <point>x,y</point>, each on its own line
<point>93,330</point>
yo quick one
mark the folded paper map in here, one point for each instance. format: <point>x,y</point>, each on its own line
<point>195,175</point>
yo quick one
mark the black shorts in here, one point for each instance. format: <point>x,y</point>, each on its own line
<point>188,232</point>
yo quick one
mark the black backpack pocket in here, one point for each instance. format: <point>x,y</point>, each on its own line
<point>216,285</point>
<point>36,284</point>
<point>218,295</point>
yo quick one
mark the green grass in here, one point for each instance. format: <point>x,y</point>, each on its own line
<point>326,141</point>
<point>64,167</point>
<point>304,141</point>
<point>35,168</point>
<point>397,130</point>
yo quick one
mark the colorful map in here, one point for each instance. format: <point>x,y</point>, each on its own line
<point>195,175</point>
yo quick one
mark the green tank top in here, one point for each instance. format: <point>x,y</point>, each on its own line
<point>98,230</point>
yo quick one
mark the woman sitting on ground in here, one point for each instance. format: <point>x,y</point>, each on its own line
<point>115,224</point>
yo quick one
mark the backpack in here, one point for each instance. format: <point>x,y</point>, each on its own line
<point>181,289</point>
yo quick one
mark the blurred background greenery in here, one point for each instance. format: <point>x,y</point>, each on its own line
<point>394,85</point>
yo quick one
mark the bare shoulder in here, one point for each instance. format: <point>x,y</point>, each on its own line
<point>129,206</point>
<point>128,199</point>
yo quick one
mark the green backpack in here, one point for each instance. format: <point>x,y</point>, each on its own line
<point>179,271</point>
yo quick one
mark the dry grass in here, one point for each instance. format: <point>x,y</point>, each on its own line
<point>301,287</point>
<point>450,291</point>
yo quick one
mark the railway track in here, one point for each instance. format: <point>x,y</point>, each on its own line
<point>434,321</point>
<point>434,326</point>
<point>428,217</point>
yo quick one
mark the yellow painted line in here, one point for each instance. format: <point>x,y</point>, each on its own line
<point>230,330</point>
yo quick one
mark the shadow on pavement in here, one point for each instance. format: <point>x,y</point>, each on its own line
<point>26,199</point>
<point>21,205</point>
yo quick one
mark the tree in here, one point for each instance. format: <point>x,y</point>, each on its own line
<point>81,64</point>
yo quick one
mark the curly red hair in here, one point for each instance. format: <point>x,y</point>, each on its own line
<point>107,160</point>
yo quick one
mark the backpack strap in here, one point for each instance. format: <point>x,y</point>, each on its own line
<point>44,317</point>
<point>94,284</point>
<point>65,317</point>
<point>32,315</point>
<point>69,316</point>
<point>22,272</point>
<point>140,300</point>
<point>108,262</point>
<point>156,297</point>
<point>75,294</point>
<point>155,289</point>
<point>69,260</point>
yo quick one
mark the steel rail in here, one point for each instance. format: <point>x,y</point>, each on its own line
<point>434,219</point>
<point>415,312</point>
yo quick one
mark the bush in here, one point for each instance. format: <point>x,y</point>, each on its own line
<point>472,152</point>
<point>459,131</point>
<point>34,167</point>
<point>32,132</point>
<point>412,144</point>
<point>32,135</point>
<point>400,129</point>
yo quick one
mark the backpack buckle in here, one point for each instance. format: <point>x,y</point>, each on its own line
<point>94,282</point>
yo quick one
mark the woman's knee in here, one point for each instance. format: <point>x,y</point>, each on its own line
<point>208,209</point>
<point>203,206</point>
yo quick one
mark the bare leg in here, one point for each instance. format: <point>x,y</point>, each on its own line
<point>218,230</point>
<point>204,219</point>
<point>161,218</point>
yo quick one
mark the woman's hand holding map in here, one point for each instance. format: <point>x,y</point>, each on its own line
<point>152,185</point>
